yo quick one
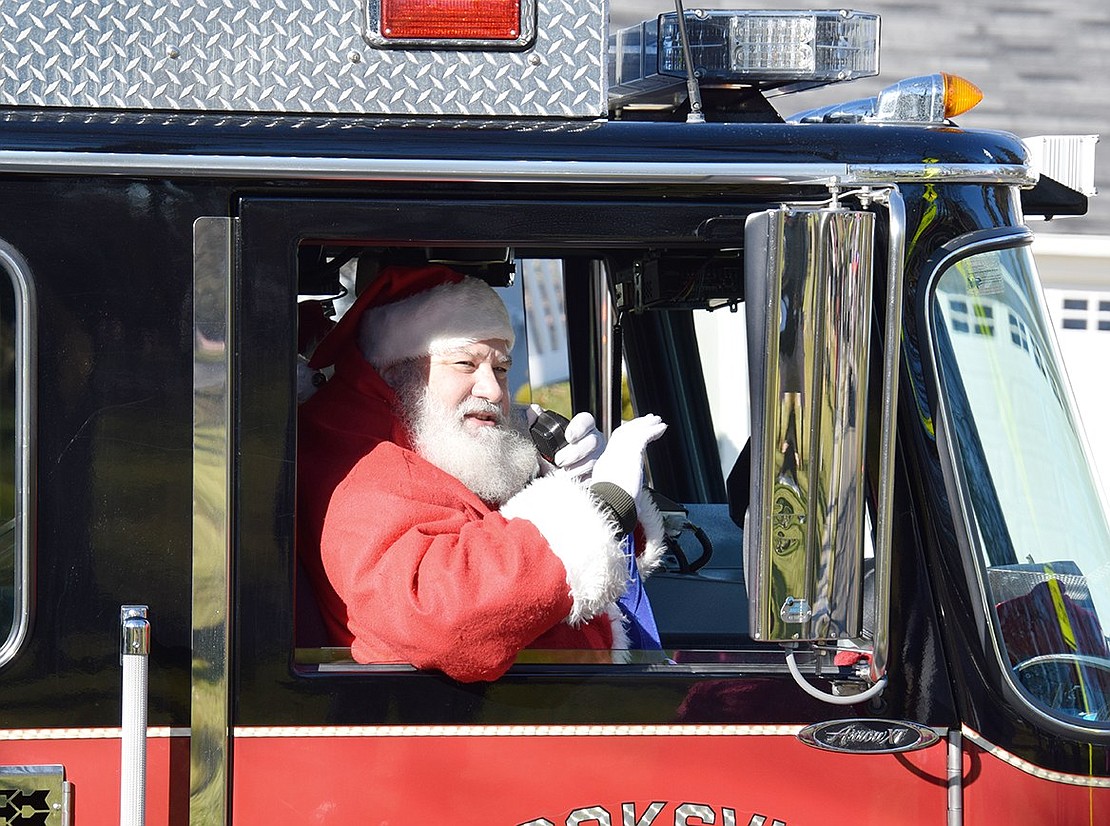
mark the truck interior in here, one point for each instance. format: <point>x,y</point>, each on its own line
<point>618,331</point>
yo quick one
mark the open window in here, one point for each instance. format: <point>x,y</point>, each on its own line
<point>681,356</point>
<point>618,332</point>
<point>609,321</point>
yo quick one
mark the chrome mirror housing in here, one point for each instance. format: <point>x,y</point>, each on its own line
<point>808,301</point>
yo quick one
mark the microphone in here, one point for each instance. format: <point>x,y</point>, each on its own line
<point>547,433</point>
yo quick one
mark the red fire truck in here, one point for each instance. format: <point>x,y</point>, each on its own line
<point>888,566</point>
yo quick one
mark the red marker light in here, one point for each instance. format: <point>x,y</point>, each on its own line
<point>450,19</point>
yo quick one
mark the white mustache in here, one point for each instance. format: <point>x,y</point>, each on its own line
<point>474,405</point>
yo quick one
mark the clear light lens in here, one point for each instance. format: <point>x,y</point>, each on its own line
<point>773,44</point>
<point>791,46</point>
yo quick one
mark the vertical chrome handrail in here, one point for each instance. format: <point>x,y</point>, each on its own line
<point>134,657</point>
<point>955,772</point>
<point>892,359</point>
<point>210,708</point>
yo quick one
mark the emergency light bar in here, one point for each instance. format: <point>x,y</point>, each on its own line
<point>745,48</point>
<point>450,24</point>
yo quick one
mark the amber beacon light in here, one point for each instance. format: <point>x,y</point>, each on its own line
<point>931,99</point>
<point>960,95</point>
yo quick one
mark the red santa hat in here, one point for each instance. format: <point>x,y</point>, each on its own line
<point>408,312</point>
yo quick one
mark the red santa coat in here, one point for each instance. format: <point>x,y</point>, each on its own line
<point>408,565</point>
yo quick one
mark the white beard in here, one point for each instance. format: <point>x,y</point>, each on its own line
<point>495,462</point>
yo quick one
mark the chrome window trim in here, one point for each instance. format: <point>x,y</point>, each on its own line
<point>26,359</point>
<point>506,170</point>
<point>1032,769</point>
<point>958,488</point>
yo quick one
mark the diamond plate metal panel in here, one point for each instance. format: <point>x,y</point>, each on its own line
<point>303,56</point>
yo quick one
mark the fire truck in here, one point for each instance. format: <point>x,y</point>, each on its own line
<point>886,592</point>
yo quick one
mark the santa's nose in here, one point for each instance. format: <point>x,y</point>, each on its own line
<point>486,384</point>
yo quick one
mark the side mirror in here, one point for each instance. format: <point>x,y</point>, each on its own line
<point>808,281</point>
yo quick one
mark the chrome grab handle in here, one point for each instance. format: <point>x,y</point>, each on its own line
<point>134,657</point>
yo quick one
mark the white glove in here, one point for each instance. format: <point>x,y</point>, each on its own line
<point>584,445</point>
<point>621,463</point>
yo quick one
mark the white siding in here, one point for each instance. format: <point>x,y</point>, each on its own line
<point>1076,275</point>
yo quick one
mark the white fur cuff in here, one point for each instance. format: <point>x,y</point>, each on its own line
<point>651,521</point>
<point>621,643</point>
<point>579,533</point>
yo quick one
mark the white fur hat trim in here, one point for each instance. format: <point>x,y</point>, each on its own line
<point>433,321</point>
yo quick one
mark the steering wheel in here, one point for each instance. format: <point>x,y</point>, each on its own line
<point>1102,710</point>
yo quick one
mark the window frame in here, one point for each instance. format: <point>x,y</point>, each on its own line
<point>19,274</point>
<point>268,686</point>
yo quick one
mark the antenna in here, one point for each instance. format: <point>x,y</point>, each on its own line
<point>695,115</point>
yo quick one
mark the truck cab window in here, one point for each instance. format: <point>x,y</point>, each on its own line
<point>695,592</point>
<point>1020,459</point>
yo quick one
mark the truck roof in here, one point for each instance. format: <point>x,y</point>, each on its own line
<point>192,138</point>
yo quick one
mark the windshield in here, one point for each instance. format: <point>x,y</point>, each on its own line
<point>1031,500</point>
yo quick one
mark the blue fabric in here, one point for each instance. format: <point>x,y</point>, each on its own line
<point>639,620</point>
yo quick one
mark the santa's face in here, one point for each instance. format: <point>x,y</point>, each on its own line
<point>457,414</point>
<point>478,371</point>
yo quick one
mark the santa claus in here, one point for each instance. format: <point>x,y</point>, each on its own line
<point>430,530</point>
